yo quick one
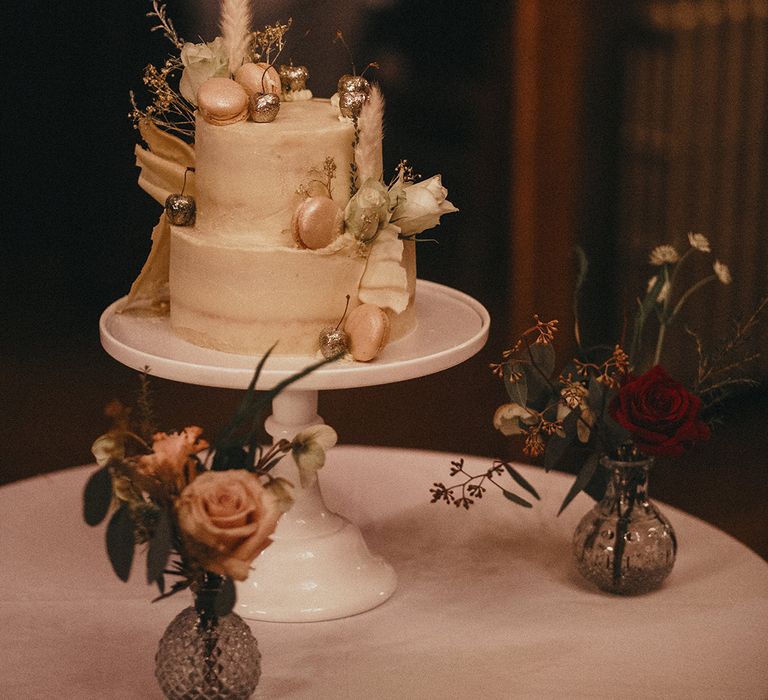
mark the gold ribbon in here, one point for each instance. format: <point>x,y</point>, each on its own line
<point>164,171</point>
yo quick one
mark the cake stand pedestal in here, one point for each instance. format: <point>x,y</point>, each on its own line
<point>319,567</point>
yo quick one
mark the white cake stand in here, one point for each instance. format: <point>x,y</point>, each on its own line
<point>319,567</point>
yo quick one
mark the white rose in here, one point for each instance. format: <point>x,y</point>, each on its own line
<point>422,206</point>
<point>202,61</point>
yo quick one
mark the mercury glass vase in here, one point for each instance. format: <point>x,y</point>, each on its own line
<point>624,545</point>
<point>204,656</point>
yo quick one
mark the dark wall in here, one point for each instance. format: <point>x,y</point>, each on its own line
<point>76,226</point>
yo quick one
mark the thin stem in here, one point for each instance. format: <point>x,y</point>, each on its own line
<point>691,291</point>
<point>660,341</point>
<point>667,319</point>
<point>674,274</point>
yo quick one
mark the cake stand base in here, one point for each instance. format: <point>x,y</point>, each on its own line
<point>318,566</point>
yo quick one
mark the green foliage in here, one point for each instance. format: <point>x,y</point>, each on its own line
<point>520,480</point>
<point>160,546</point>
<point>516,390</point>
<point>225,598</point>
<point>120,542</point>
<point>237,446</point>
<point>473,485</point>
<point>610,434</point>
<point>527,375</point>
<point>557,446</point>
<point>516,499</point>
<point>646,309</point>
<point>584,476</point>
<point>97,496</point>
<point>145,511</point>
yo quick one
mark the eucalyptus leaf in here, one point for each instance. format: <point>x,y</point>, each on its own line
<point>557,446</point>
<point>120,542</point>
<point>159,547</point>
<point>517,391</point>
<point>537,377</point>
<point>225,598</point>
<point>521,480</point>
<point>516,499</point>
<point>555,449</point>
<point>544,357</point>
<point>231,456</point>
<point>175,588</point>
<point>584,476</point>
<point>243,413</point>
<point>597,398</point>
<point>242,429</point>
<point>97,496</point>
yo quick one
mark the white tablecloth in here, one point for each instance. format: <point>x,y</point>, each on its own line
<point>489,604</point>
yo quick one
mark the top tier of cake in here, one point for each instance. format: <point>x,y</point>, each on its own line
<point>247,174</point>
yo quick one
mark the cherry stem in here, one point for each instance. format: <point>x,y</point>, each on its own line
<point>346,307</point>
<point>184,184</point>
<point>340,37</point>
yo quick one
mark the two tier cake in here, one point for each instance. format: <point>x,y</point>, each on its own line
<point>279,229</point>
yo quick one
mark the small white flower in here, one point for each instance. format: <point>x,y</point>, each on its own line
<point>106,448</point>
<point>722,272</point>
<point>308,449</point>
<point>663,254</point>
<point>663,293</point>
<point>700,242</point>
<point>507,418</point>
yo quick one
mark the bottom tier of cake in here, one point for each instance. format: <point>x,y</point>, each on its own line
<point>231,297</point>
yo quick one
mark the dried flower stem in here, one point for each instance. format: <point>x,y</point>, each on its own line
<point>712,366</point>
<point>166,25</point>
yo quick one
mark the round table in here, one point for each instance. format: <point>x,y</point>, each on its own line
<point>489,603</point>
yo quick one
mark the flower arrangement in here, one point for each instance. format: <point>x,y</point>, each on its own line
<point>201,512</point>
<point>611,402</point>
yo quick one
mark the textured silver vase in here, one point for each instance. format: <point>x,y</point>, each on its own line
<point>202,656</point>
<point>624,544</point>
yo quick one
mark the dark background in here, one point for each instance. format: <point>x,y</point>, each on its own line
<point>76,226</point>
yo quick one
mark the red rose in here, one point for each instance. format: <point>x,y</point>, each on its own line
<point>661,414</point>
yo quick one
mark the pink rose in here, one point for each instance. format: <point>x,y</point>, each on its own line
<point>226,519</point>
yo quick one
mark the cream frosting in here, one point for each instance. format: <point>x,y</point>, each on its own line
<point>238,281</point>
<point>247,174</point>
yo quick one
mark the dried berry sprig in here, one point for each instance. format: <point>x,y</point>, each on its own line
<point>473,488</point>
